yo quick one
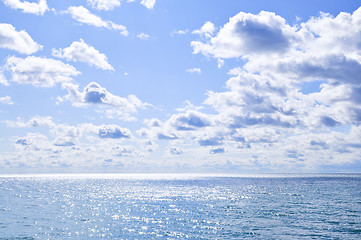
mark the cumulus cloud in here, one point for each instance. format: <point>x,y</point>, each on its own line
<point>94,94</point>
<point>245,34</point>
<point>206,30</point>
<point>143,36</point>
<point>264,114</point>
<point>67,135</point>
<point>83,15</point>
<point>190,120</point>
<point>113,131</point>
<point>6,100</point>
<point>194,70</point>
<point>18,41</point>
<point>105,5</point>
<point>82,52</point>
<point>28,7</point>
<point>86,143</point>
<point>148,3</point>
<point>41,72</point>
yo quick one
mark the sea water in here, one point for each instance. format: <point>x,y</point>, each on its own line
<point>180,207</point>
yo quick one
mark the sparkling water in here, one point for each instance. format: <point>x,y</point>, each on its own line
<point>180,207</point>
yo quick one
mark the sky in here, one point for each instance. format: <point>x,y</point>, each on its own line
<point>185,86</point>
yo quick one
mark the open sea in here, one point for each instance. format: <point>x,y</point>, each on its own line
<point>150,206</point>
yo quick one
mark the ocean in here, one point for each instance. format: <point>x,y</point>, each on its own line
<point>165,206</point>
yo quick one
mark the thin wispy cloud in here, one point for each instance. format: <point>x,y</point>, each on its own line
<point>83,15</point>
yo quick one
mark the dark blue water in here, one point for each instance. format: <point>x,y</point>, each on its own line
<point>181,207</point>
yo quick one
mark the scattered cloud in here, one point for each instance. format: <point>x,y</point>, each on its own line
<point>179,32</point>
<point>94,94</point>
<point>143,36</point>
<point>38,71</point>
<point>28,7</point>
<point>105,5</point>
<point>194,70</point>
<point>82,52</point>
<point>148,3</point>
<point>83,15</point>
<point>263,115</point>
<point>18,41</point>
<point>6,100</point>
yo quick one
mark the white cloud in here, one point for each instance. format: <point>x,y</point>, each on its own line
<point>265,118</point>
<point>28,7</point>
<point>113,131</point>
<point>143,36</point>
<point>83,15</point>
<point>245,33</point>
<point>93,93</point>
<point>206,30</point>
<point>189,120</point>
<point>148,3</point>
<point>41,72</point>
<point>220,63</point>
<point>18,41</point>
<point>82,52</point>
<point>81,146</point>
<point>6,100</point>
<point>104,4</point>
<point>194,70</point>
<point>179,32</point>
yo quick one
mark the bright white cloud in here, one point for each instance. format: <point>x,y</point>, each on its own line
<point>28,7</point>
<point>206,30</point>
<point>194,70</point>
<point>82,52</point>
<point>6,100</point>
<point>41,72</point>
<point>143,36</point>
<point>83,15</point>
<point>18,41</point>
<point>264,115</point>
<point>244,34</point>
<point>148,3</point>
<point>104,4</point>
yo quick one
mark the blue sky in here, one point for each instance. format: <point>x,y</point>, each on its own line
<point>180,86</point>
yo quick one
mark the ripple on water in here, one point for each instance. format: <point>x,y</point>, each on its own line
<point>194,208</point>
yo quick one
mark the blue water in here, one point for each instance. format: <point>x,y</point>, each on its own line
<point>181,207</point>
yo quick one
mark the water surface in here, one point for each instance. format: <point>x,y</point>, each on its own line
<point>129,206</point>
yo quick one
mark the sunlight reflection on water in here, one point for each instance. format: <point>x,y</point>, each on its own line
<point>148,206</point>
